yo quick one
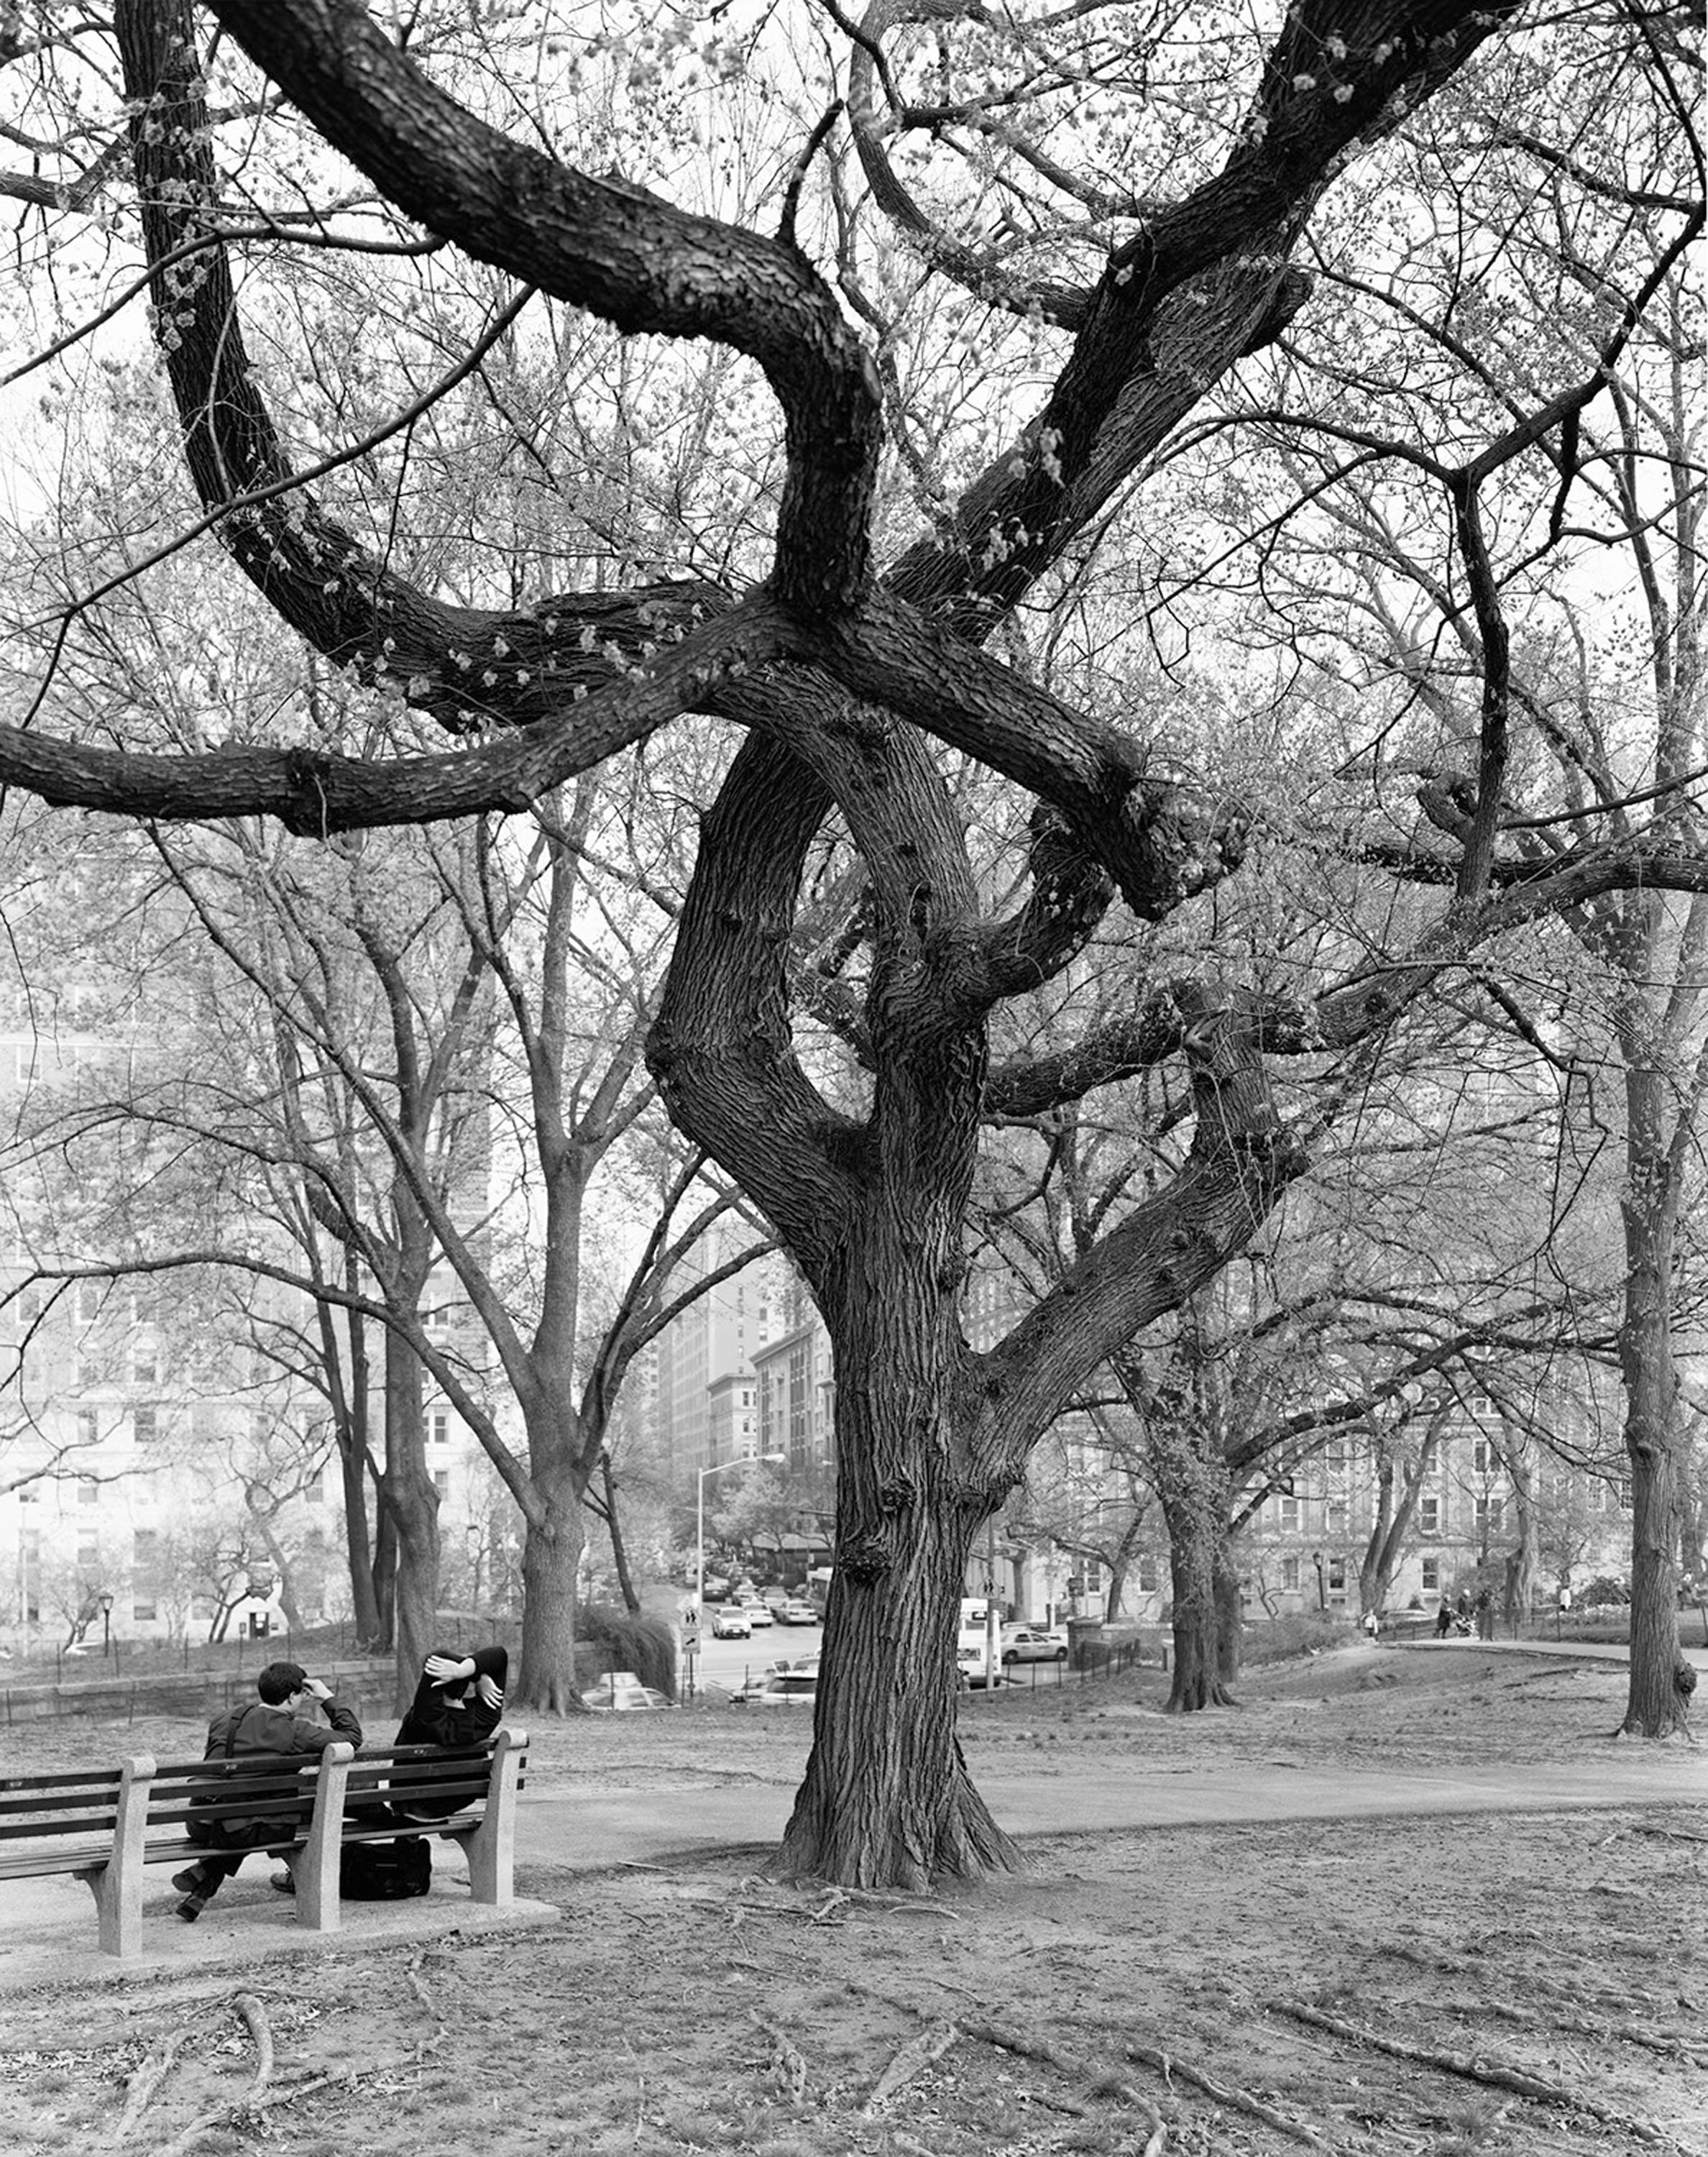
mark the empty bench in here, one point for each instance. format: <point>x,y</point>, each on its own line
<point>103,1826</point>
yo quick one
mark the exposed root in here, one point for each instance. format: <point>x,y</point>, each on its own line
<point>1167,2065</point>
<point>254,2021</point>
<point>920,1905</point>
<point>1489,2073</point>
<point>1585,2025</point>
<point>786,2068</point>
<point>140,2088</point>
<point>913,2059</point>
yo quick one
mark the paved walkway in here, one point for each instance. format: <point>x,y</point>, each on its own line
<point>47,1927</point>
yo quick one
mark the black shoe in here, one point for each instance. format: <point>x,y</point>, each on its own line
<point>189,1881</point>
<point>283,1883</point>
<point>192,1907</point>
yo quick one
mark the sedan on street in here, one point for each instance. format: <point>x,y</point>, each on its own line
<point>1031,1644</point>
<point>797,1614</point>
<point>731,1624</point>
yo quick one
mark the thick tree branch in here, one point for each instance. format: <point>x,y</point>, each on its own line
<point>633,258</point>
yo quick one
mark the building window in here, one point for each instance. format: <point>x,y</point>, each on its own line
<point>87,1490</point>
<point>1429,1517</point>
<point>441,1481</point>
<point>1625,1492</point>
<point>1288,1508</point>
<point>1479,1457</point>
<point>147,1425</point>
<point>1290,1572</point>
<point>1432,1575</point>
<point>1490,1513</point>
<point>1337,1580</point>
<point>143,1613</point>
<point>439,1427</point>
<point>1335,1517</point>
<point>144,1364</point>
<point>1150,1576</point>
<point>88,1427</point>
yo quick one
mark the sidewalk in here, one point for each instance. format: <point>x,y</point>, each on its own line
<point>47,1927</point>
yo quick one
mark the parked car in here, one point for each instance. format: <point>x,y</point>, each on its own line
<point>730,1624</point>
<point>757,1613</point>
<point>796,1614</point>
<point>622,1691</point>
<point>786,1689</point>
<point>1031,1644</point>
<point>757,1681</point>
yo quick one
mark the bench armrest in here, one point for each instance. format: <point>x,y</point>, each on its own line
<point>116,1883</point>
<point>316,1865</point>
<point>491,1847</point>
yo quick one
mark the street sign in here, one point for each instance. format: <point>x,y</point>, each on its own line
<point>691,1624</point>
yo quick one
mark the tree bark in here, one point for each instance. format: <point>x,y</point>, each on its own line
<point>412,1503</point>
<point>1653,1707</point>
<point>886,1799</point>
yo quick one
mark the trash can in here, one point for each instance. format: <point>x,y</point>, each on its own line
<point>1084,1642</point>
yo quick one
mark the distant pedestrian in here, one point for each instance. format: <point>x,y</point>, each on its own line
<point>1443,1619</point>
<point>1372,1626</point>
<point>1463,1603</point>
<point>1485,1616</point>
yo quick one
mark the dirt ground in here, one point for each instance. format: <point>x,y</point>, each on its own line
<point>1527,1984</point>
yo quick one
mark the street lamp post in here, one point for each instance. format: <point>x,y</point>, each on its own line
<point>742,1460</point>
<point>1322,1595</point>
<point>107,1628</point>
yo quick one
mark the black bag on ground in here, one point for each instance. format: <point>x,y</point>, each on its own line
<point>385,1872</point>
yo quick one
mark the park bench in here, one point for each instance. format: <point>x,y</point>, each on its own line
<point>103,1826</point>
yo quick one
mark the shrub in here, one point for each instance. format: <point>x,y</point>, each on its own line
<point>608,1638</point>
<point>1304,1633</point>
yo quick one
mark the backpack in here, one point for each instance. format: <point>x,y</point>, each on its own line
<point>385,1872</point>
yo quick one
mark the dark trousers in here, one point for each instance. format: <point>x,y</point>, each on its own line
<point>221,1848</point>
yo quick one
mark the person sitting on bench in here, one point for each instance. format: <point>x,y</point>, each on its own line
<point>458,1702</point>
<point>268,1725</point>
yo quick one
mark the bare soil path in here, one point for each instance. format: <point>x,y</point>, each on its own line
<point>1447,1984</point>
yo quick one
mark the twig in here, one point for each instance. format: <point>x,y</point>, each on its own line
<point>141,2086</point>
<point>913,2059</point>
<point>1672,1833</point>
<point>787,2069</point>
<point>1493,2076</point>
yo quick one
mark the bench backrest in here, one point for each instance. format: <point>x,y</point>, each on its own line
<point>85,1802</point>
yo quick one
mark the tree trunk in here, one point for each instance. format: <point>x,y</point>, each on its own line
<point>350,1424</point>
<point>1192,1481</point>
<point>550,1558</point>
<point>1518,1589</point>
<point>1230,1617</point>
<point>871,1812</point>
<point>619,1549</point>
<point>1654,1705</point>
<point>875,1811</point>
<point>412,1503</point>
